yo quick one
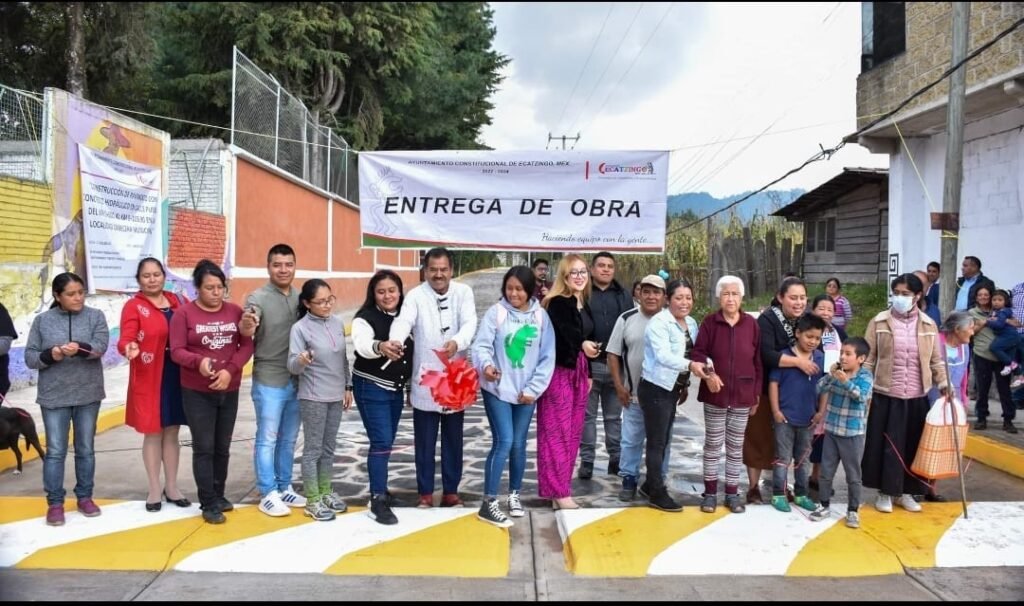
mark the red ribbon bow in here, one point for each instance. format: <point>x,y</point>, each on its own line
<point>456,386</point>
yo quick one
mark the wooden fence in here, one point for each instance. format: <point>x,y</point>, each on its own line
<point>760,263</point>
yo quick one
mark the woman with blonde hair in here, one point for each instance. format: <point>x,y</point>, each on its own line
<point>562,407</point>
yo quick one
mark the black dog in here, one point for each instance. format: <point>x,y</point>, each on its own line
<point>15,422</point>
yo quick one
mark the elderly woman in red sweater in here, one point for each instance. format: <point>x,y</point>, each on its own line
<point>727,358</point>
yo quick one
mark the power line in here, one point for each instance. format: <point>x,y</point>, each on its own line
<point>630,68</point>
<point>825,154</point>
<point>700,179</point>
<point>615,54</point>
<point>586,63</point>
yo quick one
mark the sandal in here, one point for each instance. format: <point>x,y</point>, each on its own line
<point>709,503</point>
<point>754,496</point>
<point>732,501</point>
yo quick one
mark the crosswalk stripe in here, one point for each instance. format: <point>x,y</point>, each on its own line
<point>16,509</point>
<point>760,541</point>
<point>31,543</point>
<point>293,543</point>
<point>911,536</point>
<point>843,552</point>
<point>626,542</point>
<point>992,535</point>
<point>462,546</point>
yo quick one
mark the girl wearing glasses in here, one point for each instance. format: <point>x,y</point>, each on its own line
<point>561,408</point>
<point>317,355</point>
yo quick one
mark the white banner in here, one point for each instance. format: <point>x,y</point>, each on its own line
<point>121,215</point>
<point>523,200</point>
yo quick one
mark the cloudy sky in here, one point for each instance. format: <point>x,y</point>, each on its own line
<point>686,77</point>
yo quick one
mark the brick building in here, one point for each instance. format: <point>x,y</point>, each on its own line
<point>905,47</point>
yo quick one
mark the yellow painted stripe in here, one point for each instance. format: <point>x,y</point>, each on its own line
<point>241,524</point>
<point>844,552</point>
<point>16,509</point>
<point>912,537</point>
<point>993,453</point>
<point>624,544</point>
<point>107,419</point>
<point>464,547</point>
<point>159,546</point>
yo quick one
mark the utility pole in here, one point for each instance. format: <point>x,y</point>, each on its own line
<point>948,221</point>
<point>563,138</point>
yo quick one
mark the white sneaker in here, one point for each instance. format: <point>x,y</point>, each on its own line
<point>852,519</point>
<point>292,499</point>
<point>272,505</point>
<point>907,502</point>
<point>515,506</point>
<point>884,503</point>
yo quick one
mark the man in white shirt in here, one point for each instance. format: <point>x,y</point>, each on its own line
<point>440,314</point>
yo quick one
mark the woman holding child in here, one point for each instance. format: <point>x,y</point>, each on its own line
<point>778,331</point>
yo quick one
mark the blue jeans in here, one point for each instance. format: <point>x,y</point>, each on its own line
<point>277,428</point>
<point>424,427</point>
<point>509,425</point>
<point>634,435</point>
<point>792,445</point>
<point>380,410</point>
<point>57,422</point>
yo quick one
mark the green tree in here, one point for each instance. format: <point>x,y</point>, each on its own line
<point>410,75</point>
<point>114,48</point>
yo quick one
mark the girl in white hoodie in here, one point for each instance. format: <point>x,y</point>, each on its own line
<point>514,352</point>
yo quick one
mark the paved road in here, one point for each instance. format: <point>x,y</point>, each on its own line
<point>447,554</point>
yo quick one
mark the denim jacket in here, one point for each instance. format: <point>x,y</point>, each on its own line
<point>664,351</point>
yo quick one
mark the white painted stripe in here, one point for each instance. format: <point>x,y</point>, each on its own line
<point>569,521</point>
<point>19,540</point>
<point>760,541</point>
<point>397,268</point>
<point>992,535</point>
<point>316,546</point>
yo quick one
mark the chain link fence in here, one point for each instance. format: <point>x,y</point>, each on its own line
<point>273,125</point>
<point>21,135</point>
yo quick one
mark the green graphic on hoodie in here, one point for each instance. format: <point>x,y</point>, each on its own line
<point>516,344</point>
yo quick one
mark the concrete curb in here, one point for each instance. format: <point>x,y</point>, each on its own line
<point>995,454</point>
<point>107,419</point>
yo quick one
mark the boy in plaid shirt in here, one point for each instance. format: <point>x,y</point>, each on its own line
<point>843,396</point>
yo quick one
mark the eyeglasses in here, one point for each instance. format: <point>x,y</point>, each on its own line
<point>578,273</point>
<point>323,302</point>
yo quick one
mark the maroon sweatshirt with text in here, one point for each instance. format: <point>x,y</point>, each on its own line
<point>196,334</point>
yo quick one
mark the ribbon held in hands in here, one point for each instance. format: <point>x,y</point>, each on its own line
<point>456,386</point>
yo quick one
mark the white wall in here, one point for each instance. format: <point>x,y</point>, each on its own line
<point>991,206</point>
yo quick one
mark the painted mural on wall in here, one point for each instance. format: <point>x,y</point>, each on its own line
<point>26,273</point>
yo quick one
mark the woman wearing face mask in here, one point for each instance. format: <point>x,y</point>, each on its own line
<point>906,359</point>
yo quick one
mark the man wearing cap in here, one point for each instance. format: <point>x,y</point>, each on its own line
<point>608,300</point>
<point>625,359</point>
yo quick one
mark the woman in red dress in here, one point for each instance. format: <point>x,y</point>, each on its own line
<point>154,388</point>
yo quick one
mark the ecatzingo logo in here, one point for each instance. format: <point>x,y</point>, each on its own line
<point>634,169</point>
<point>605,170</point>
